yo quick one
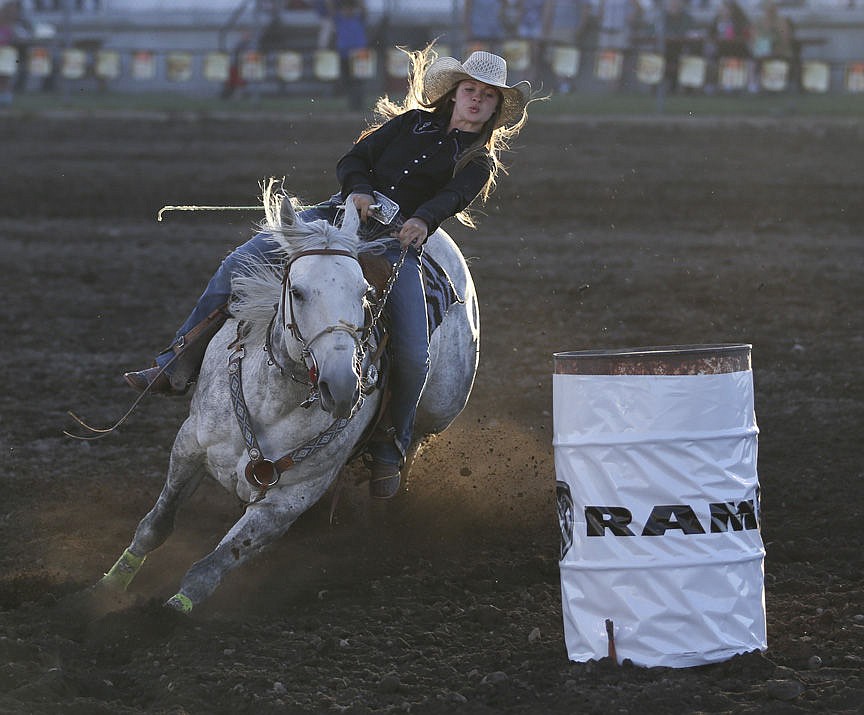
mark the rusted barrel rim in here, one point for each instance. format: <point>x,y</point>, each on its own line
<point>656,360</point>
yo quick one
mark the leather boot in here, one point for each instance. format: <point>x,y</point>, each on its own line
<point>183,369</point>
<point>385,476</point>
<point>384,479</point>
<point>153,378</point>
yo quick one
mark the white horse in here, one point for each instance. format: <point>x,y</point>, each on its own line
<point>317,334</point>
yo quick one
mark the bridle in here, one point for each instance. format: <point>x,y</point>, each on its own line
<point>361,335</point>
<point>264,473</point>
<point>289,322</point>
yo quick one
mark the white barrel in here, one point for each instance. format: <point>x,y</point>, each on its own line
<point>662,560</point>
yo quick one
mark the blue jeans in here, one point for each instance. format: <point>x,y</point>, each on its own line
<point>409,351</point>
<point>405,312</point>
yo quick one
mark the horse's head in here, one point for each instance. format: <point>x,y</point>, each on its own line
<point>323,305</point>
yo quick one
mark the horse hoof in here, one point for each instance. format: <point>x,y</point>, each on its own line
<point>180,603</point>
<point>122,572</point>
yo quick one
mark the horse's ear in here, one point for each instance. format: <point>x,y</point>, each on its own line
<point>351,219</point>
<point>287,212</point>
<point>278,207</point>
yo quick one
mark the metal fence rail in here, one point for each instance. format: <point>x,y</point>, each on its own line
<point>566,68</point>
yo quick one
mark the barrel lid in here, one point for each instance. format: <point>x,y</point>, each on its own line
<point>656,360</point>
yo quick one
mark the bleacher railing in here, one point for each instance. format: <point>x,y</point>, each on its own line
<point>562,64</point>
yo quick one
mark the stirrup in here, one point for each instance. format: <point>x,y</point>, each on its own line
<point>384,479</point>
<point>153,379</point>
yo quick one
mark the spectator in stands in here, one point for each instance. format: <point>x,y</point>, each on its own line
<point>566,20</point>
<point>772,38</point>
<point>275,36</point>
<point>679,22</point>
<point>9,12</point>
<point>9,35</point>
<point>349,30</point>
<point>730,30</point>
<point>433,154</point>
<point>484,24</point>
<point>620,20</point>
<point>772,34</point>
<point>678,27</point>
<point>569,23</point>
<point>325,28</point>
<point>728,36</point>
<point>529,28</point>
<point>235,79</point>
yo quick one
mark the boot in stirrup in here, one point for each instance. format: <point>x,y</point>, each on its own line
<point>384,461</point>
<point>153,379</point>
<point>176,377</point>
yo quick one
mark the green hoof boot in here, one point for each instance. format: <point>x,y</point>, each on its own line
<point>180,603</point>
<point>121,573</point>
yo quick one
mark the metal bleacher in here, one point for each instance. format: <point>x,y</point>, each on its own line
<point>193,46</point>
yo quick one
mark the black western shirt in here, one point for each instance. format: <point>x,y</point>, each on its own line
<point>411,159</point>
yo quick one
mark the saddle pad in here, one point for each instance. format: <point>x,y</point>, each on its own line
<point>440,292</point>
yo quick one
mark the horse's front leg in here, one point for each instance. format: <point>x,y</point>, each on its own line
<point>185,471</point>
<point>261,524</point>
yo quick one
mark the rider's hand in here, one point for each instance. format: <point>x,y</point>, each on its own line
<point>362,202</point>
<point>413,233</point>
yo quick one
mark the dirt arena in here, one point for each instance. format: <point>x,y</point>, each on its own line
<point>606,234</point>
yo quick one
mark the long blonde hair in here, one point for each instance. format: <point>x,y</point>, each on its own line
<point>488,146</point>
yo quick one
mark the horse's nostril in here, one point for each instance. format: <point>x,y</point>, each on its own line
<point>339,404</point>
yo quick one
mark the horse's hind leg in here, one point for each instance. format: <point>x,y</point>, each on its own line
<point>185,471</point>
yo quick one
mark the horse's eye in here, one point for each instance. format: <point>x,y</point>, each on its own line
<point>297,294</point>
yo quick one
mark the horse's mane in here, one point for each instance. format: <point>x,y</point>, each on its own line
<point>257,289</point>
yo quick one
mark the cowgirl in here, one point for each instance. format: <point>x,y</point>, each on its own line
<point>433,155</point>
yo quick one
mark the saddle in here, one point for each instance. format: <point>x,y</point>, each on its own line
<point>441,294</point>
<point>439,288</point>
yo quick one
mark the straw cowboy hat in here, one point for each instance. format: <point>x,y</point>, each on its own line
<point>446,72</point>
